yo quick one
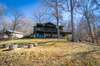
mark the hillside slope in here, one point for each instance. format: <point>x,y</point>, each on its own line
<point>53,54</point>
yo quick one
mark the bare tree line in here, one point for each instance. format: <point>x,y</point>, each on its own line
<point>86,8</point>
<point>16,22</point>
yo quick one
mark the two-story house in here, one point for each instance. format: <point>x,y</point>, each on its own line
<point>48,30</point>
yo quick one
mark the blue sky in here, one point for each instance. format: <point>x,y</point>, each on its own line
<point>26,6</point>
<point>18,3</point>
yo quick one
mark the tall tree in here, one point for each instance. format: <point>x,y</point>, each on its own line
<point>88,8</point>
<point>72,23</point>
<point>55,6</point>
<point>70,7</point>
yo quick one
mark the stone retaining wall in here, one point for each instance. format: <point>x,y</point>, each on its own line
<point>12,47</point>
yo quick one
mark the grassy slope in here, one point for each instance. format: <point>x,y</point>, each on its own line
<point>53,54</point>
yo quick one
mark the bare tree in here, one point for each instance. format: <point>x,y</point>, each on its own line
<point>39,14</point>
<point>3,21</point>
<point>82,30</point>
<point>72,23</point>
<point>4,24</point>
<point>88,11</point>
<point>25,26</point>
<point>16,19</point>
<point>55,6</point>
<point>70,7</point>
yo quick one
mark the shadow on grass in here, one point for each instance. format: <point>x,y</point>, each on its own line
<point>6,50</point>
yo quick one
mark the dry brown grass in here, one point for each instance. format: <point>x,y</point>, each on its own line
<point>55,53</point>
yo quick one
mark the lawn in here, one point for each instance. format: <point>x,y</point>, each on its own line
<point>52,53</point>
<point>28,41</point>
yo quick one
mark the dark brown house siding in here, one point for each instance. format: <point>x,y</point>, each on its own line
<point>47,30</point>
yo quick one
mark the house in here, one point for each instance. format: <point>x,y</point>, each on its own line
<point>11,34</point>
<point>15,34</point>
<point>48,30</point>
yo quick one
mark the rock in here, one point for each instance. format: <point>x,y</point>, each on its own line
<point>25,46</point>
<point>5,46</point>
<point>20,46</point>
<point>30,46</point>
<point>35,44</point>
<point>12,47</point>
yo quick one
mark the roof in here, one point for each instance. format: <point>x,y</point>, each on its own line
<point>49,24</point>
<point>11,31</point>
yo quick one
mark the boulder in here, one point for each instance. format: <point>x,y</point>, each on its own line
<point>25,46</point>
<point>12,47</point>
<point>30,46</point>
<point>35,44</point>
<point>5,46</point>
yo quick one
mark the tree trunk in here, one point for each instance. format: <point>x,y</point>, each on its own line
<point>57,18</point>
<point>95,35</point>
<point>89,27</point>
<point>72,22</point>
